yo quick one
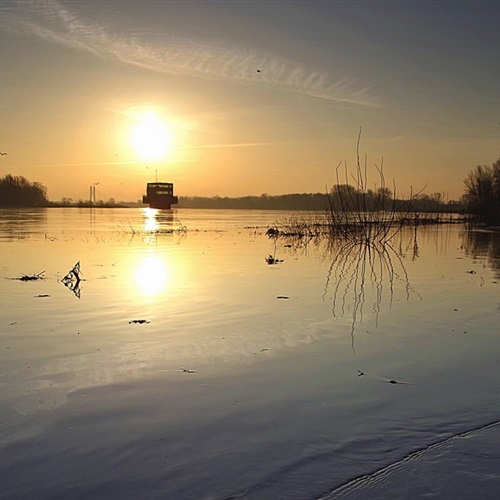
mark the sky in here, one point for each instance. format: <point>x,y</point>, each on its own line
<point>236,97</point>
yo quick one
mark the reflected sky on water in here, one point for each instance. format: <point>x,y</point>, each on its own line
<point>181,324</point>
<point>202,280</point>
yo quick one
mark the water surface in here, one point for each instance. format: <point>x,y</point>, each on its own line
<point>244,379</point>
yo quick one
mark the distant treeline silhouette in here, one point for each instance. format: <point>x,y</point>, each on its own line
<point>296,201</point>
<point>482,193</point>
<point>380,199</point>
<point>18,191</point>
<point>110,203</point>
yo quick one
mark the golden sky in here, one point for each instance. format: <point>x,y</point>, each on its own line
<point>237,98</point>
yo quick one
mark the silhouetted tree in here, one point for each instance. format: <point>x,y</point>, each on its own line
<point>383,198</point>
<point>18,191</point>
<point>344,197</point>
<point>482,192</point>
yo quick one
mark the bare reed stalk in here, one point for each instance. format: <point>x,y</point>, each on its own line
<point>357,226</point>
<point>359,214</point>
<point>353,211</point>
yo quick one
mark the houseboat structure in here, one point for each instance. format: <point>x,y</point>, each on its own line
<point>160,195</point>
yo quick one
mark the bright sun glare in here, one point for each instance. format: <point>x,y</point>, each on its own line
<point>150,137</point>
<point>152,276</point>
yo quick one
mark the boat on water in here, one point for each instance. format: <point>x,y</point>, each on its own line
<point>160,195</point>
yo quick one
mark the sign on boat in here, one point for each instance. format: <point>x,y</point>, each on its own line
<point>160,195</point>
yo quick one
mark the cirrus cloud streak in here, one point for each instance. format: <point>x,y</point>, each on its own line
<point>52,21</point>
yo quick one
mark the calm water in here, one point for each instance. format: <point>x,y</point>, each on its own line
<point>245,380</point>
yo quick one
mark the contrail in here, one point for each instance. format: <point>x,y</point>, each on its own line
<point>52,21</point>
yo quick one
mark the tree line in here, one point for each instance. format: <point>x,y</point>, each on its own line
<point>294,201</point>
<point>482,193</point>
<point>481,198</point>
<point>337,198</point>
<point>18,191</point>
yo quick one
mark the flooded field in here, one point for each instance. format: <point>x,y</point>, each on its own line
<point>179,361</point>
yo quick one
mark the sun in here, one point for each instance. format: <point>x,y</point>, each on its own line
<point>150,137</point>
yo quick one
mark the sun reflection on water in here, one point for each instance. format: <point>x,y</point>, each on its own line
<point>158,221</point>
<point>150,220</point>
<point>152,275</point>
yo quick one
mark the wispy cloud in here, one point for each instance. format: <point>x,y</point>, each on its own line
<point>257,145</point>
<point>53,21</point>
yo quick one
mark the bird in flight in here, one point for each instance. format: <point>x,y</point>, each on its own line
<point>2,153</point>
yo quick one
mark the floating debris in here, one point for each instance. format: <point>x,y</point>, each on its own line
<point>32,277</point>
<point>139,321</point>
<point>389,381</point>
<point>392,381</point>
<point>42,295</point>
<point>271,260</point>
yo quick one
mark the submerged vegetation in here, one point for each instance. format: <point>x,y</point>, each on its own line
<point>31,277</point>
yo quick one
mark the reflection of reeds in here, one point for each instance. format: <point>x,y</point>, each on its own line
<point>359,227</point>
<point>360,272</point>
<point>354,266</point>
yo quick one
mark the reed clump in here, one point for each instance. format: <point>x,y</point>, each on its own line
<point>353,211</point>
<point>357,229</point>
